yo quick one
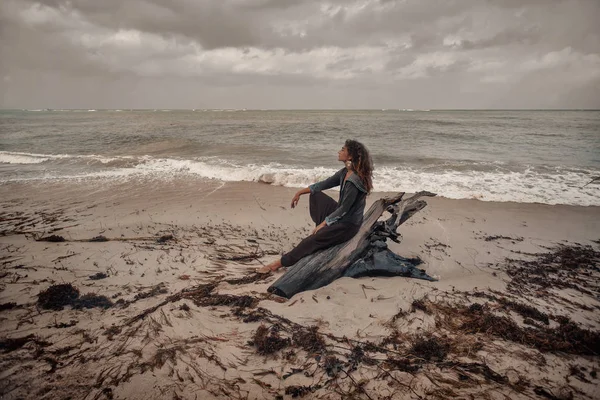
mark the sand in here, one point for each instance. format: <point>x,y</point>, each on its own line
<point>172,333</point>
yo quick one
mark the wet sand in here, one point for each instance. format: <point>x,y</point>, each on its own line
<point>189,319</point>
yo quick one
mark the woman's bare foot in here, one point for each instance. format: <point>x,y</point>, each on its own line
<point>274,266</point>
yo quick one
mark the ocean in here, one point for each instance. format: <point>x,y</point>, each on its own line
<point>519,156</point>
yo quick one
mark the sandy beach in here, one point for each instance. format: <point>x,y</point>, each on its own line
<point>514,313</point>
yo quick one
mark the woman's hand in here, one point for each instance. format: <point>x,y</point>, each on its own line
<point>297,196</point>
<point>319,227</point>
<point>295,200</point>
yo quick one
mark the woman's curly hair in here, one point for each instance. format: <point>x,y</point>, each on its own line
<point>361,162</point>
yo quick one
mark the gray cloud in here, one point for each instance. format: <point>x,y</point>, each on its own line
<point>299,54</point>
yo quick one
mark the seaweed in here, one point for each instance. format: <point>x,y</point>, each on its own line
<point>92,300</point>
<point>419,304</point>
<point>250,278</point>
<point>525,310</point>
<point>58,296</point>
<point>11,344</point>
<point>98,275</point>
<point>300,391</point>
<point>268,341</point>
<point>309,340</point>
<point>99,238</point>
<point>226,300</point>
<point>430,349</point>
<point>164,238</point>
<point>154,291</point>
<point>51,238</point>
<point>9,306</point>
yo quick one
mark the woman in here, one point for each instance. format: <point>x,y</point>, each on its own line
<point>335,222</point>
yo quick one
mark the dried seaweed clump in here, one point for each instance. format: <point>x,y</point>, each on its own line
<point>12,344</point>
<point>309,339</point>
<point>154,291</point>
<point>52,239</point>
<point>573,266</point>
<point>300,391</point>
<point>419,304</point>
<point>268,341</point>
<point>92,300</point>
<point>525,311</point>
<point>250,278</point>
<point>56,297</point>
<point>430,349</point>
<point>567,337</point>
<point>226,300</point>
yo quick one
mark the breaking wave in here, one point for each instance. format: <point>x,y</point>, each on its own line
<point>483,181</point>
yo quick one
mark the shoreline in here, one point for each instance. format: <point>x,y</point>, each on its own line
<point>189,345</point>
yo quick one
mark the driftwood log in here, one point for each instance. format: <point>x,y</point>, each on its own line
<point>366,254</point>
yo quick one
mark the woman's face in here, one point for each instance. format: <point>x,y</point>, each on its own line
<point>343,154</point>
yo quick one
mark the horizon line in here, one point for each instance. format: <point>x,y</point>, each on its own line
<point>297,109</point>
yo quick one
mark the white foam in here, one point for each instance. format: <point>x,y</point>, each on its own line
<point>556,187</point>
<point>13,157</point>
<point>551,186</point>
<point>21,158</point>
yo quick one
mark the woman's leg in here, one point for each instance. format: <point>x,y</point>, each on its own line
<point>326,237</point>
<point>320,206</point>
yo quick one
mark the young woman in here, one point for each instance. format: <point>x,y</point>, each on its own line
<point>335,222</point>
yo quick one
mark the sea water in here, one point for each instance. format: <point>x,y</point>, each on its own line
<point>521,156</point>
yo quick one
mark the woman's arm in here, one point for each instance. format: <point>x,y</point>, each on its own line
<point>328,183</point>
<point>351,192</point>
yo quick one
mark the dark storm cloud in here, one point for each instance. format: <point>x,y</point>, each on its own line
<point>465,53</point>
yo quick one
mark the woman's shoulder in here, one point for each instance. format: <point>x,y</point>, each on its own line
<point>357,181</point>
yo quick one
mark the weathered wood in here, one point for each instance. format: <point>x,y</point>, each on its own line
<point>325,266</point>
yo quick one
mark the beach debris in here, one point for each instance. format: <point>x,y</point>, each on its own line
<point>365,255</point>
<point>92,300</point>
<point>11,344</point>
<point>445,354</point>
<point>56,297</point>
<point>98,275</point>
<point>154,291</point>
<point>567,337</point>
<point>164,238</point>
<point>99,238</point>
<point>241,258</point>
<point>573,266</point>
<point>112,331</point>
<point>225,300</point>
<point>268,341</point>
<point>9,306</point>
<point>429,349</point>
<point>63,325</point>
<point>491,238</point>
<point>250,278</point>
<point>51,238</point>
<point>300,391</point>
<point>419,304</point>
<point>309,340</point>
<point>57,259</point>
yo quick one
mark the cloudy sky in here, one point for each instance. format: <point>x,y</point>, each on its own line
<point>300,54</point>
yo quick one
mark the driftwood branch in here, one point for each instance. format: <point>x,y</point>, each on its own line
<point>365,253</point>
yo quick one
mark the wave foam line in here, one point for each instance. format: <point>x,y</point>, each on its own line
<point>555,185</point>
<point>14,157</point>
